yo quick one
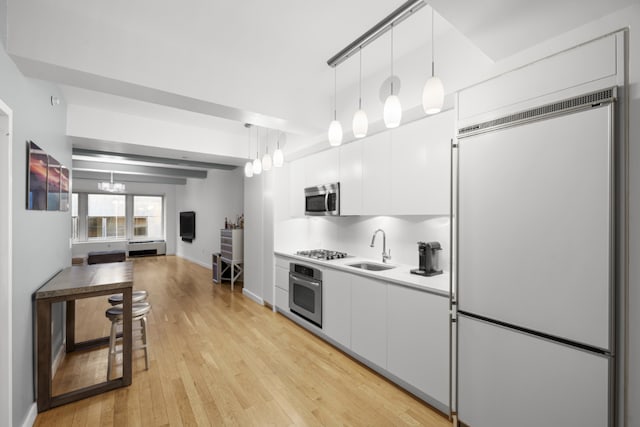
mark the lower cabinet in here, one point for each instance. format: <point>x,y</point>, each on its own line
<point>369,319</point>
<point>418,340</point>
<point>404,331</point>
<point>336,306</point>
<point>282,284</point>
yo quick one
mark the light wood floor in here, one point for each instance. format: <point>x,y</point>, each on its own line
<point>217,358</point>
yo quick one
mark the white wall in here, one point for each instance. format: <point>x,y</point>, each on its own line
<point>103,125</point>
<point>259,237</point>
<point>218,196</point>
<point>3,23</point>
<point>139,188</point>
<point>40,238</point>
<point>6,121</point>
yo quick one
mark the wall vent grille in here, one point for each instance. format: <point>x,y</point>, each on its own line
<point>589,100</point>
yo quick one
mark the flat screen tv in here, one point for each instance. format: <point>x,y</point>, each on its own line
<point>187,226</point>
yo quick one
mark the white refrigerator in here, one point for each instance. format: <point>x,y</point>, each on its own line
<point>535,267</point>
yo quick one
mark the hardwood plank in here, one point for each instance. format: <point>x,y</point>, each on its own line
<point>217,358</point>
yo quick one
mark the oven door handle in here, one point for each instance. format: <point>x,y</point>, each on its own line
<point>326,202</point>
<point>304,280</point>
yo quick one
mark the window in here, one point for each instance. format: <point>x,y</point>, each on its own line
<point>102,216</point>
<point>74,216</point>
<point>147,217</point>
<point>106,217</point>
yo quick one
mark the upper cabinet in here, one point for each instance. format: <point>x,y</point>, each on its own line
<point>405,171</point>
<point>376,179</point>
<point>321,168</point>
<point>351,178</point>
<point>421,165</point>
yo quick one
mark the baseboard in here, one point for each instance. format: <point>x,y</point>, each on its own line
<point>195,261</point>
<point>30,419</point>
<point>252,296</point>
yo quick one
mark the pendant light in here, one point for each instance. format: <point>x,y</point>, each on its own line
<point>392,113</point>
<point>278,155</point>
<point>335,128</point>
<point>112,187</point>
<point>433,93</point>
<point>257,164</point>
<point>360,121</point>
<point>266,159</point>
<point>248,167</point>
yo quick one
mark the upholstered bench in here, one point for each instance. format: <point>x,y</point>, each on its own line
<point>102,257</point>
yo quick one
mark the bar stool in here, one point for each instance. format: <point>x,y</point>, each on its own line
<point>136,296</point>
<point>138,313</point>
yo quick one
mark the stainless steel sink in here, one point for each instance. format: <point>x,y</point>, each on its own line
<point>371,266</point>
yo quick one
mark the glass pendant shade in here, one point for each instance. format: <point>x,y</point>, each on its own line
<point>392,113</point>
<point>278,158</point>
<point>360,124</point>
<point>433,96</point>
<point>257,167</point>
<point>335,133</point>
<point>248,169</point>
<point>266,162</point>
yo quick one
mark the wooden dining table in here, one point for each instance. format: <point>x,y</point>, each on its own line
<point>68,285</point>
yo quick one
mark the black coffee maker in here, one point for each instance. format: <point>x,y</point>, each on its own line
<point>427,259</point>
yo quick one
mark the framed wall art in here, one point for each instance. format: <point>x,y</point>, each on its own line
<point>48,182</point>
<point>37,177</point>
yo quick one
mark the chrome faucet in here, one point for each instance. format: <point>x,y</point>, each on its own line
<point>385,255</point>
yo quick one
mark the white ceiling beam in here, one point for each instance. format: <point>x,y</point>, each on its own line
<point>86,165</point>
<point>120,177</point>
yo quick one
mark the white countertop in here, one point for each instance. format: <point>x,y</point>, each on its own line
<point>399,275</point>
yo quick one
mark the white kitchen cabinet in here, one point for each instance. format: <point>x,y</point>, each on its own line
<point>350,178</point>
<point>282,299</point>
<point>420,166</point>
<point>369,319</point>
<point>336,306</point>
<point>322,168</point>
<point>296,187</point>
<point>376,176</point>
<point>418,340</point>
<point>282,283</point>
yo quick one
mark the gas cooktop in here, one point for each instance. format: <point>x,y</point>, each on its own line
<point>323,254</point>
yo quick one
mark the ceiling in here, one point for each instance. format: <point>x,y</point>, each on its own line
<point>207,64</point>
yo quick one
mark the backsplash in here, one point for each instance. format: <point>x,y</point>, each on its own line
<point>353,235</point>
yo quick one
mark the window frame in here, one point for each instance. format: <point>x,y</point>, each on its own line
<point>131,229</point>
<point>83,211</point>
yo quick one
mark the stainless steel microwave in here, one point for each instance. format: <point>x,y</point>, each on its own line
<point>322,200</point>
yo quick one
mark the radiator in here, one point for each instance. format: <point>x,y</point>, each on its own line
<point>147,247</point>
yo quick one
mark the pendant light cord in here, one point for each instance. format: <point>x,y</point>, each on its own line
<point>391,59</point>
<point>266,146</point>
<point>433,66</point>
<point>360,99</point>
<point>335,93</point>
<point>249,144</point>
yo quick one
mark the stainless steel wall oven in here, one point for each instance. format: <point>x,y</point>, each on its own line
<point>305,292</point>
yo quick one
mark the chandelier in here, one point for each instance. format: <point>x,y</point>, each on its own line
<point>112,187</point>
